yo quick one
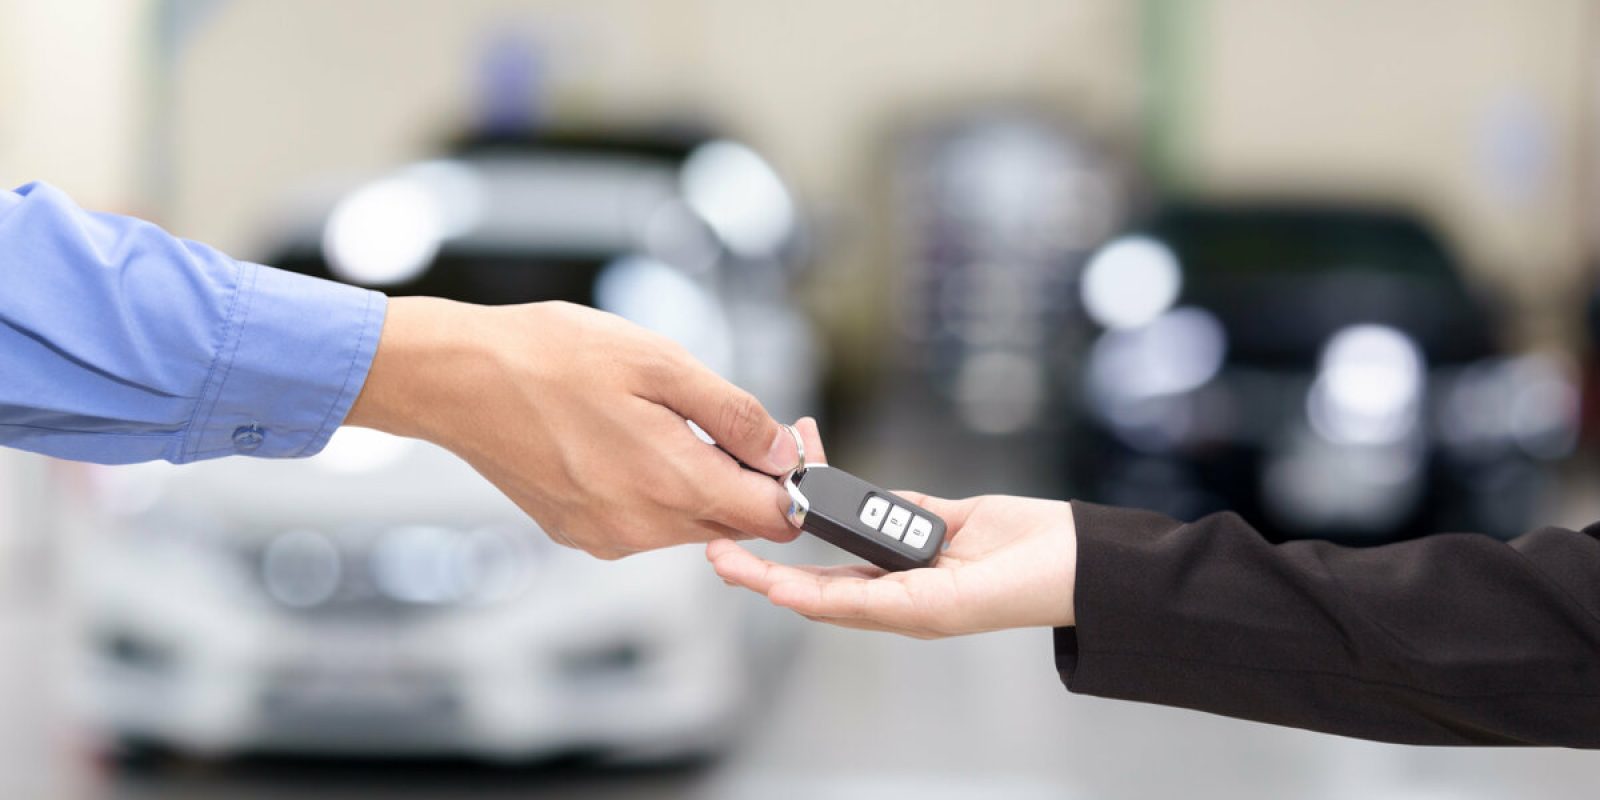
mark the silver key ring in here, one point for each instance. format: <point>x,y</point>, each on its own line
<point>799,449</point>
<point>799,506</point>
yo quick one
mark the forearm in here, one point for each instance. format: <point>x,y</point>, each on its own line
<point>122,343</point>
<point>1451,639</point>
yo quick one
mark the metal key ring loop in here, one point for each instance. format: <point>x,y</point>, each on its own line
<point>799,506</point>
<point>799,448</point>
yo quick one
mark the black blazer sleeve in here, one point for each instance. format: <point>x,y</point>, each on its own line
<point>1453,639</point>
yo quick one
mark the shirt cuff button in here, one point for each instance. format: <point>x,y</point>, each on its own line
<point>248,437</point>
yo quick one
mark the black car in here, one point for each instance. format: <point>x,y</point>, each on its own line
<point>1324,370</point>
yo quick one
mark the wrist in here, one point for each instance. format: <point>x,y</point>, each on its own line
<point>424,356</point>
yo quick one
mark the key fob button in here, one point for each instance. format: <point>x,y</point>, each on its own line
<point>874,511</point>
<point>919,531</point>
<point>862,519</point>
<point>897,522</point>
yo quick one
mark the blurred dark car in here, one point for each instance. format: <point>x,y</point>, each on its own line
<point>1324,370</point>
<point>1589,414</point>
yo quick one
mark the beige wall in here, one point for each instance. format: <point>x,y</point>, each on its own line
<point>1396,99</point>
<point>278,91</point>
<point>1389,99</point>
<point>281,91</point>
<point>8,66</point>
<point>70,90</point>
<point>69,99</point>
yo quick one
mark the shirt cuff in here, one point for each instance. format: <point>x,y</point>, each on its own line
<point>292,364</point>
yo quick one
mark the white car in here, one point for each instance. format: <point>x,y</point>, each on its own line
<point>382,598</point>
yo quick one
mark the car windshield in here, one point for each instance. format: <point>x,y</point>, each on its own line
<point>487,279</point>
<point>1284,280</point>
<point>1242,243</point>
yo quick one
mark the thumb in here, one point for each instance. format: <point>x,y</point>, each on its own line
<point>732,417</point>
<point>953,512</point>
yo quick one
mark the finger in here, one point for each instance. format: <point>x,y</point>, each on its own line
<point>853,596</point>
<point>720,531</point>
<point>875,627</point>
<point>712,487</point>
<point>807,428</point>
<point>953,512</point>
<point>745,568</point>
<point>701,482</point>
<point>728,548</point>
<point>739,500</point>
<point>709,532</point>
<point>884,602</point>
<point>731,416</point>
<point>717,547</point>
<point>725,532</point>
<point>864,571</point>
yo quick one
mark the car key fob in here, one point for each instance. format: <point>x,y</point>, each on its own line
<point>851,514</point>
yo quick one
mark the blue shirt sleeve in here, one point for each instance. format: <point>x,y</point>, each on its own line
<point>121,343</point>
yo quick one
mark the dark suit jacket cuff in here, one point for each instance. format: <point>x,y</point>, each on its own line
<point>1112,596</point>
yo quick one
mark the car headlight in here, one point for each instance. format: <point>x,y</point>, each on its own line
<point>1526,403</point>
<point>301,569</point>
<point>1369,387</point>
<point>430,566</point>
<point>1140,379</point>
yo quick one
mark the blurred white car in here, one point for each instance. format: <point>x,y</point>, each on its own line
<point>382,598</point>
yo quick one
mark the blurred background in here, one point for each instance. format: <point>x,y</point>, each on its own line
<point>1331,265</point>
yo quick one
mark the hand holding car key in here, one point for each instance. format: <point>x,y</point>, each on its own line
<point>858,517</point>
<point>990,562</point>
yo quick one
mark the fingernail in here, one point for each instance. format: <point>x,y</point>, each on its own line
<point>785,504</point>
<point>782,455</point>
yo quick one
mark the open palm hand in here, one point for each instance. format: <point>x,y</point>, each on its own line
<point>1009,563</point>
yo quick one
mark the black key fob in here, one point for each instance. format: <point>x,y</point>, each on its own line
<point>851,514</point>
